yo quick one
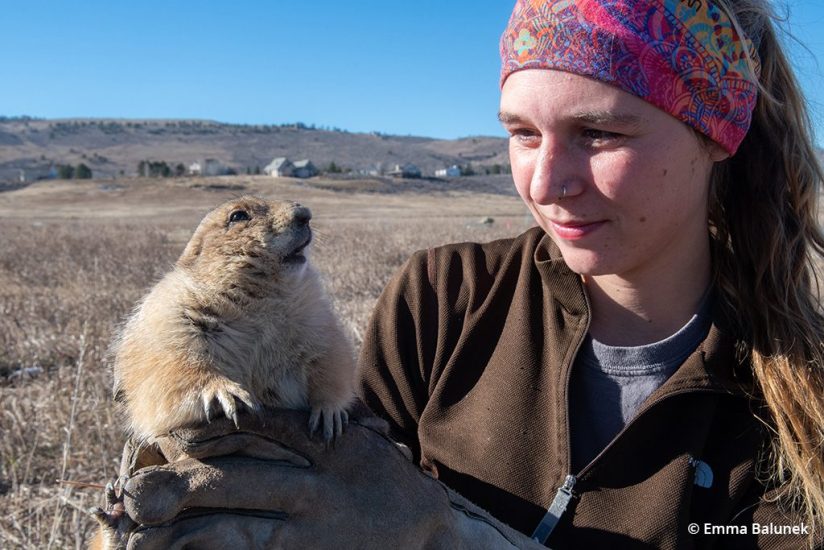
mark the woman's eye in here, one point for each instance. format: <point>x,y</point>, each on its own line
<point>524,135</point>
<point>239,216</point>
<point>593,134</point>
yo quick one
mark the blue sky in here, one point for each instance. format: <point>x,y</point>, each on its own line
<point>419,67</point>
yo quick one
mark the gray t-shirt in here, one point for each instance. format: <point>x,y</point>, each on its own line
<point>609,384</point>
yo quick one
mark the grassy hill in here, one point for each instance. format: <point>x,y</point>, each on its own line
<point>113,148</point>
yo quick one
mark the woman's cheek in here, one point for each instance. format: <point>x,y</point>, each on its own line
<point>522,176</point>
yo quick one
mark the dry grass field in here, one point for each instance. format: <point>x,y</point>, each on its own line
<point>75,257</point>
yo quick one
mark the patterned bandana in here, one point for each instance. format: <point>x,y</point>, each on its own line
<point>683,56</point>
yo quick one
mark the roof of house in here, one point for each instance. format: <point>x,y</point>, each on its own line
<point>277,163</point>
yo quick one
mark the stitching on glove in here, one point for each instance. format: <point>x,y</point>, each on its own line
<point>189,446</point>
<point>193,513</point>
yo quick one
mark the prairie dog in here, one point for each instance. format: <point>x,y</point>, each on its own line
<point>242,318</point>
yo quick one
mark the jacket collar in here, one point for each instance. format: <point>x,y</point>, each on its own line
<point>564,285</point>
<point>713,366</point>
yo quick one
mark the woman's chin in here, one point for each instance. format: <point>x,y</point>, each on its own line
<point>587,262</point>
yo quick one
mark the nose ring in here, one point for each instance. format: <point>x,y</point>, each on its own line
<point>563,192</point>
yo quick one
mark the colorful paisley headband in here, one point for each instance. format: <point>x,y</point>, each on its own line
<point>683,56</point>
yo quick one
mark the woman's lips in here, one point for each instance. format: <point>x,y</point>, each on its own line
<point>572,231</point>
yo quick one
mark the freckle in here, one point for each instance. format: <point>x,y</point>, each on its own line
<point>642,219</point>
<point>665,172</point>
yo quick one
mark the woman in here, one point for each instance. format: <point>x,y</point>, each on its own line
<point>643,369</point>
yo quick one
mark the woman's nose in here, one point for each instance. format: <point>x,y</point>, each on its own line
<point>553,178</point>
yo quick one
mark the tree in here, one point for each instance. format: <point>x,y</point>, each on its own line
<point>65,171</point>
<point>180,170</point>
<point>159,169</point>
<point>82,172</point>
<point>333,168</point>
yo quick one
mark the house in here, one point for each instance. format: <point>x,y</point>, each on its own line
<point>209,167</point>
<point>452,172</point>
<point>280,167</point>
<point>29,174</point>
<point>212,167</point>
<point>408,170</point>
<point>304,169</point>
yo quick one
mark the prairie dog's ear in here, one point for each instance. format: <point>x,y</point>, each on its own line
<point>192,251</point>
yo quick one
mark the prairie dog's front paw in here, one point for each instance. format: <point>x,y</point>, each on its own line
<point>113,521</point>
<point>330,419</point>
<point>220,395</point>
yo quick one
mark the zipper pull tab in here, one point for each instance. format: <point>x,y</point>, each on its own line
<point>555,510</point>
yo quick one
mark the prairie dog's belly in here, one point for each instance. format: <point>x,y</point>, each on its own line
<point>272,362</point>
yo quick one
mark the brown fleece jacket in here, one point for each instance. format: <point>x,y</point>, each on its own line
<point>468,356</point>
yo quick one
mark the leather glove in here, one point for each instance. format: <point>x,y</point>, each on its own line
<point>268,484</point>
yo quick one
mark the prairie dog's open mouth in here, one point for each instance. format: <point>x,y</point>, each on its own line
<point>296,255</point>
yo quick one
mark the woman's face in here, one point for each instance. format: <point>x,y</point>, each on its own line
<point>619,185</point>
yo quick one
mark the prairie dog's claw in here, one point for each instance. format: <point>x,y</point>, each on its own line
<point>341,421</point>
<point>226,393</point>
<point>227,401</point>
<point>314,420</point>
<point>100,515</point>
<point>115,510</point>
<point>332,420</point>
<point>111,493</point>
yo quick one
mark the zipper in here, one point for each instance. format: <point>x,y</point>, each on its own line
<point>569,375</point>
<point>564,494</point>
<point>555,510</point>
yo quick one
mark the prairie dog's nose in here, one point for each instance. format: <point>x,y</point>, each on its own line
<point>301,215</point>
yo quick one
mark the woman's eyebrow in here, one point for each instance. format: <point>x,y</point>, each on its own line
<point>609,118</point>
<point>589,117</point>
<point>509,118</point>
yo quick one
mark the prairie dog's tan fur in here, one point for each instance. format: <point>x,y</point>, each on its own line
<point>242,318</point>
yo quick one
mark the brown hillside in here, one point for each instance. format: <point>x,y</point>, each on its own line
<point>115,147</point>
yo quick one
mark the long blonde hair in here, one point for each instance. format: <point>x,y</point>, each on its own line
<point>766,245</point>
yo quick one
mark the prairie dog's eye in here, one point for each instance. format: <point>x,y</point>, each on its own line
<point>239,216</point>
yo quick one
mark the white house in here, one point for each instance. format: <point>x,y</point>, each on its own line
<point>212,167</point>
<point>304,169</point>
<point>194,169</point>
<point>281,167</point>
<point>452,172</point>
